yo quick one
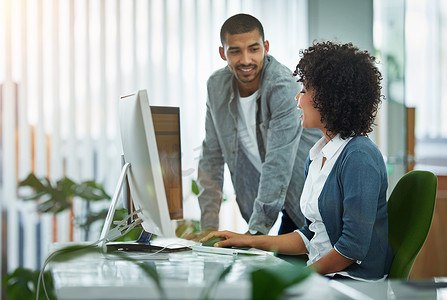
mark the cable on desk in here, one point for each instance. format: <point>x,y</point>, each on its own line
<point>121,229</point>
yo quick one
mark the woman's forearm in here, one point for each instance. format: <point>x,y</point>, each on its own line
<point>331,263</point>
<point>290,243</point>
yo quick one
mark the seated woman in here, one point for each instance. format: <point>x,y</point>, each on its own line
<point>344,195</point>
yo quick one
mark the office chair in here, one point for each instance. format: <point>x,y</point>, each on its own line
<point>410,212</point>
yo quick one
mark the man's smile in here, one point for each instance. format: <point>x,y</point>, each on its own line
<point>246,70</point>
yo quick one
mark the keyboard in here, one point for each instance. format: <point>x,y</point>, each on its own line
<point>227,251</point>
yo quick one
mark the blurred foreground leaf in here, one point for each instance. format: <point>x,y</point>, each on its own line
<point>270,282</point>
<point>76,251</point>
<point>212,286</point>
<point>22,284</point>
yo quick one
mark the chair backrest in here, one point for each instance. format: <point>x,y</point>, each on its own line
<point>410,212</point>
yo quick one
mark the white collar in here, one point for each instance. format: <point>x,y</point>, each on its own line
<point>327,149</point>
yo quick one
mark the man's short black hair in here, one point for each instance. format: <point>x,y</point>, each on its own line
<point>240,23</point>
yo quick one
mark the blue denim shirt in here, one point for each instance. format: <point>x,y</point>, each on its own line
<point>353,207</point>
<point>260,196</point>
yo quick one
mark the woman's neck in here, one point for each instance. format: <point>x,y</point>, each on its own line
<point>329,135</point>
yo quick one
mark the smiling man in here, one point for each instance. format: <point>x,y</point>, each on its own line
<point>252,127</point>
<point>244,53</point>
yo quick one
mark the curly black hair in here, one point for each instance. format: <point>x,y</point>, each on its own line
<point>347,86</point>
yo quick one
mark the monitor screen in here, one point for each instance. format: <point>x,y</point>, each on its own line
<point>145,174</point>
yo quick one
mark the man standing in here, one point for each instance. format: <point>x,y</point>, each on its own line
<point>252,127</point>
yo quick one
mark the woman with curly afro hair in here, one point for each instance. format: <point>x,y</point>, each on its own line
<point>344,195</point>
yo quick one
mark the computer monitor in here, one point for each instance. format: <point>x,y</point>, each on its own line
<point>142,168</point>
<point>145,175</point>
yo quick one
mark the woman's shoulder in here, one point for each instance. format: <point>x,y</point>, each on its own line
<point>361,143</point>
<point>361,149</point>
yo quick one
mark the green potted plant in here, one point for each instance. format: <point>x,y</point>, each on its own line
<point>51,198</point>
<point>55,198</point>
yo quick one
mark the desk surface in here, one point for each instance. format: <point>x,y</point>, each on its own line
<point>186,275</point>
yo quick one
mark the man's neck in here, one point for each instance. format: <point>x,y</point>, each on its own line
<point>247,89</point>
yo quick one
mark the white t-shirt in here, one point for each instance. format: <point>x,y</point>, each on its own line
<point>246,127</point>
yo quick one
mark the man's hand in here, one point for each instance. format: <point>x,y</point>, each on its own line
<point>196,236</point>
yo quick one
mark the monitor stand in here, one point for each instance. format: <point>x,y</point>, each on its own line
<point>143,244</point>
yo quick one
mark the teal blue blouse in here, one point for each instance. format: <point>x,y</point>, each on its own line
<point>353,207</point>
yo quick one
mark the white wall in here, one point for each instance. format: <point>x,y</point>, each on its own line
<point>343,21</point>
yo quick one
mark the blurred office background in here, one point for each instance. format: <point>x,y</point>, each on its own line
<point>64,64</point>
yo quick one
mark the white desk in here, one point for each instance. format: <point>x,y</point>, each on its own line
<point>186,275</point>
<point>397,289</point>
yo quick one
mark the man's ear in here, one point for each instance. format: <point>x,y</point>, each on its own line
<point>266,47</point>
<point>222,53</point>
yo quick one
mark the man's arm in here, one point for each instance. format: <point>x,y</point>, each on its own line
<point>282,138</point>
<point>210,176</point>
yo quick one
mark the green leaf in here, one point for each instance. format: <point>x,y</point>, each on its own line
<point>206,293</point>
<point>55,199</point>
<point>91,191</point>
<point>46,206</point>
<point>91,218</point>
<point>40,185</point>
<point>66,187</point>
<point>194,187</point>
<point>36,196</point>
<point>54,205</point>
<point>151,271</point>
<point>72,252</point>
<point>32,181</point>
<point>132,235</point>
<point>50,198</point>
<point>22,284</point>
<point>270,282</point>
